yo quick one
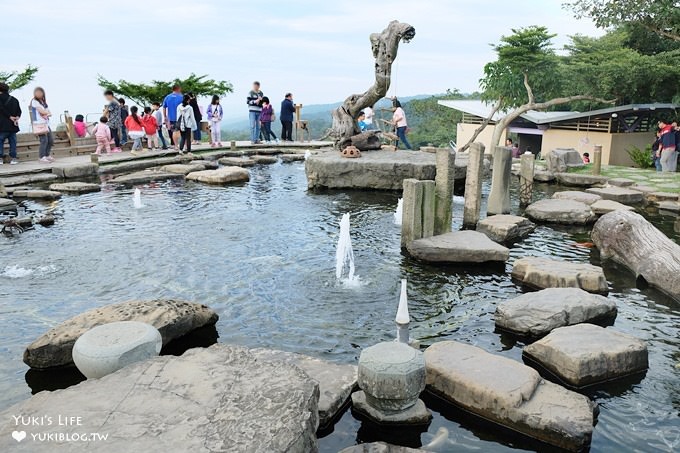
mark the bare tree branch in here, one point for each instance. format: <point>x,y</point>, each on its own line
<point>479,130</point>
<point>530,92</point>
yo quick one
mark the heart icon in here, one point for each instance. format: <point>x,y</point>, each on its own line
<point>19,435</point>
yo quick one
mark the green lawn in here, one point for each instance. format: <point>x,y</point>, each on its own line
<point>662,182</point>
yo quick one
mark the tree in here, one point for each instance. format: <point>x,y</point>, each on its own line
<point>18,79</point>
<point>659,16</point>
<point>527,75</point>
<point>384,46</point>
<point>146,93</point>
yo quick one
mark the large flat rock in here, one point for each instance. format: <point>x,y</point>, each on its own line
<point>182,169</point>
<point>223,175</point>
<point>7,205</point>
<point>29,178</point>
<point>658,197</point>
<point>458,247</point>
<point>604,206</point>
<point>237,161</point>
<point>577,195</point>
<point>587,354</point>
<point>505,228</point>
<point>566,212</point>
<point>173,319</point>
<point>216,399</point>
<point>537,313</point>
<point>543,273</point>
<point>580,180</point>
<point>75,187</point>
<point>626,196</point>
<point>382,170</point>
<point>37,194</point>
<point>144,177</point>
<point>336,381</point>
<point>509,393</point>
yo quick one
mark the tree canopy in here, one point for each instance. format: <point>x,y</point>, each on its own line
<point>146,93</point>
<point>659,16</point>
<point>18,79</point>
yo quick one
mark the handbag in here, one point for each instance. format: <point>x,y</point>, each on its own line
<point>40,128</point>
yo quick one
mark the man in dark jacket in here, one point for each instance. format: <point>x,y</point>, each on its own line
<point>10,112</point>
<point>286,115</point>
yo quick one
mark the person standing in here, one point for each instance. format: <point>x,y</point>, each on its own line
<point>254,101</point>
<point>40,119</point>
<point>198,116</point>
<point>368,118</point>
<point>286,115</point>
<point>399,121</point>
<point>112,113</point>
<point>124,113</point>
<point>215,115</point>
<point>668,154</point>
<point>266,118</point>
<point>150,125</point>
<point>185,123</point>
<point>170,104</point>
<point>158,114</point>
<point>102,134</point>
<point>133,123</point>
<point>656,151</point>
<point>10,112</point>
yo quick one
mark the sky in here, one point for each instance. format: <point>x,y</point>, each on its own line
<point>318,50</point>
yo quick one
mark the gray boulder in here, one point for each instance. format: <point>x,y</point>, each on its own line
<point>221,398</point>
<point>505,228</point>
<point>576,195</point>
<point>509,393</point>
<point>458,247</point>
<point>223,175</point>
<point>626,196</point>
<point>580,180</point>
<point>587,354</point>
<point>237,161</point>
<point>562,159</point>
<point>173,318</point>
<point>605,206</point>
<point>537,313</point>
<point>543,273</point>
<point>566,212</point>
<point>145,177</point>
<point>37,194</point>
<point>75,187</point>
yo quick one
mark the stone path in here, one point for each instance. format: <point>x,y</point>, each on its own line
<point>458,247</point>
<point>540,273</point>
<point>505,228</point>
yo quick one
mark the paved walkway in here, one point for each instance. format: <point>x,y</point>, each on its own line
<point>36,166</point>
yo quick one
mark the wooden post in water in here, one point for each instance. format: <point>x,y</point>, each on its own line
<point>473,186</point>
<point>526,178</point>
<point>446,169</point>
<point>597,159</point>
<point>418,210</point>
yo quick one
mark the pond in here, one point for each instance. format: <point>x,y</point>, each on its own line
<point>262,255</point>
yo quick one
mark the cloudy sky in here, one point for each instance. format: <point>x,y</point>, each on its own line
<point>319,50</point>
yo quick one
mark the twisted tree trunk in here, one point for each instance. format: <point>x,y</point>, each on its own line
<point>384,46</point>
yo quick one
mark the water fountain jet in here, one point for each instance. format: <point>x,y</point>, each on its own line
<point>399,211</point>
<point>137,199</point>
<point>344,255</point>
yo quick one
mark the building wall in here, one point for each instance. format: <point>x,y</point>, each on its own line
<point>622,142</point>
<point>581,141</point>
<point>465,131</point>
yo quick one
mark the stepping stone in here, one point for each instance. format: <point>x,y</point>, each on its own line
<point>336,381</point>
<point>207,164</point>
<point>626,196</point>
<point>380,447</point>
<point>221,398</point>
<point>566,212</point>
<point>510,394</point>
<point>75,187</point>
<point>505,228</point>
<point>37,194</point>
<point>541,273</point>
<point>458,247</point>
<point>537,313</point>
<point>223,175</point>
<point>578,180</point>
<point>76,171</point>
<point>657,197</point>
<point>182,169</point>
<point>286,158</point>
<point>31,178</point>
<point>643,189</point>
<point>7,205</point>
<point>237,161</point>
<point>265,160</point>
<point>586,354</point>
<point>672,206</point>
<point>604,206</point>
<point>621,182</point>
<point>576,195</point>
<point>544,176</point>
<point>172,318</point>
<point>144,177</point>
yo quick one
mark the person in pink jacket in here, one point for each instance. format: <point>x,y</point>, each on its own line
<point>102,134</point>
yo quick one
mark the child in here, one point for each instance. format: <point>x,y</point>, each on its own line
<point>150,128</point>
<point>133,125</point>
<point>79,126</point>
<point>215,114</point>
<point>266,118</point>
<point>158,114</point>
<point>102,133</point>
<point>362,121</point>
<point>586,158</point>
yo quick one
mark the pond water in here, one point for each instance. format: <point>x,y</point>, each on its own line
<point>263,256</point>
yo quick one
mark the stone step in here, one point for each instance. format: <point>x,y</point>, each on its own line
<point>458,247</point>
<point>541,273</point>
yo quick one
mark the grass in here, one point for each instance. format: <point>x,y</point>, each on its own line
<point>662,182</point>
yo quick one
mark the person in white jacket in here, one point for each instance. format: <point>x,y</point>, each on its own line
<point>186,122</point>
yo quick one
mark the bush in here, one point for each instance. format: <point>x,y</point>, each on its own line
<point>641,158</point>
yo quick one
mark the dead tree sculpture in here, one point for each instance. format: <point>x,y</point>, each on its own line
<point>384,45</point>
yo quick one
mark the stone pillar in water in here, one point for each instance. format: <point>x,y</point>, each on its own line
<point>473,185</point>
<point>418,210</point>
<point>597,159</point>
<point>526,178</point>
<point>446,170</point>
<point>499,198</point>
<point>232,145</point>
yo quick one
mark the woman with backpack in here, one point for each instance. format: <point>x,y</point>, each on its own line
<point>186,123</point>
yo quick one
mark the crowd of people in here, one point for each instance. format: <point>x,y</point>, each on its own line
<point>665,147</point>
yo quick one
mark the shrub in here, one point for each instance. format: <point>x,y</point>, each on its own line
<point>641,158</point>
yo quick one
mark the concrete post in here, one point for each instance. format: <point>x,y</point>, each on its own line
<point>473,185</point>
<point>446,169</point>
<point>597,159</point>
<point>499,198</point>
<point>232,144</point>
<point>428,208</point>
<point>526,178</point>
<point>412,221</point>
